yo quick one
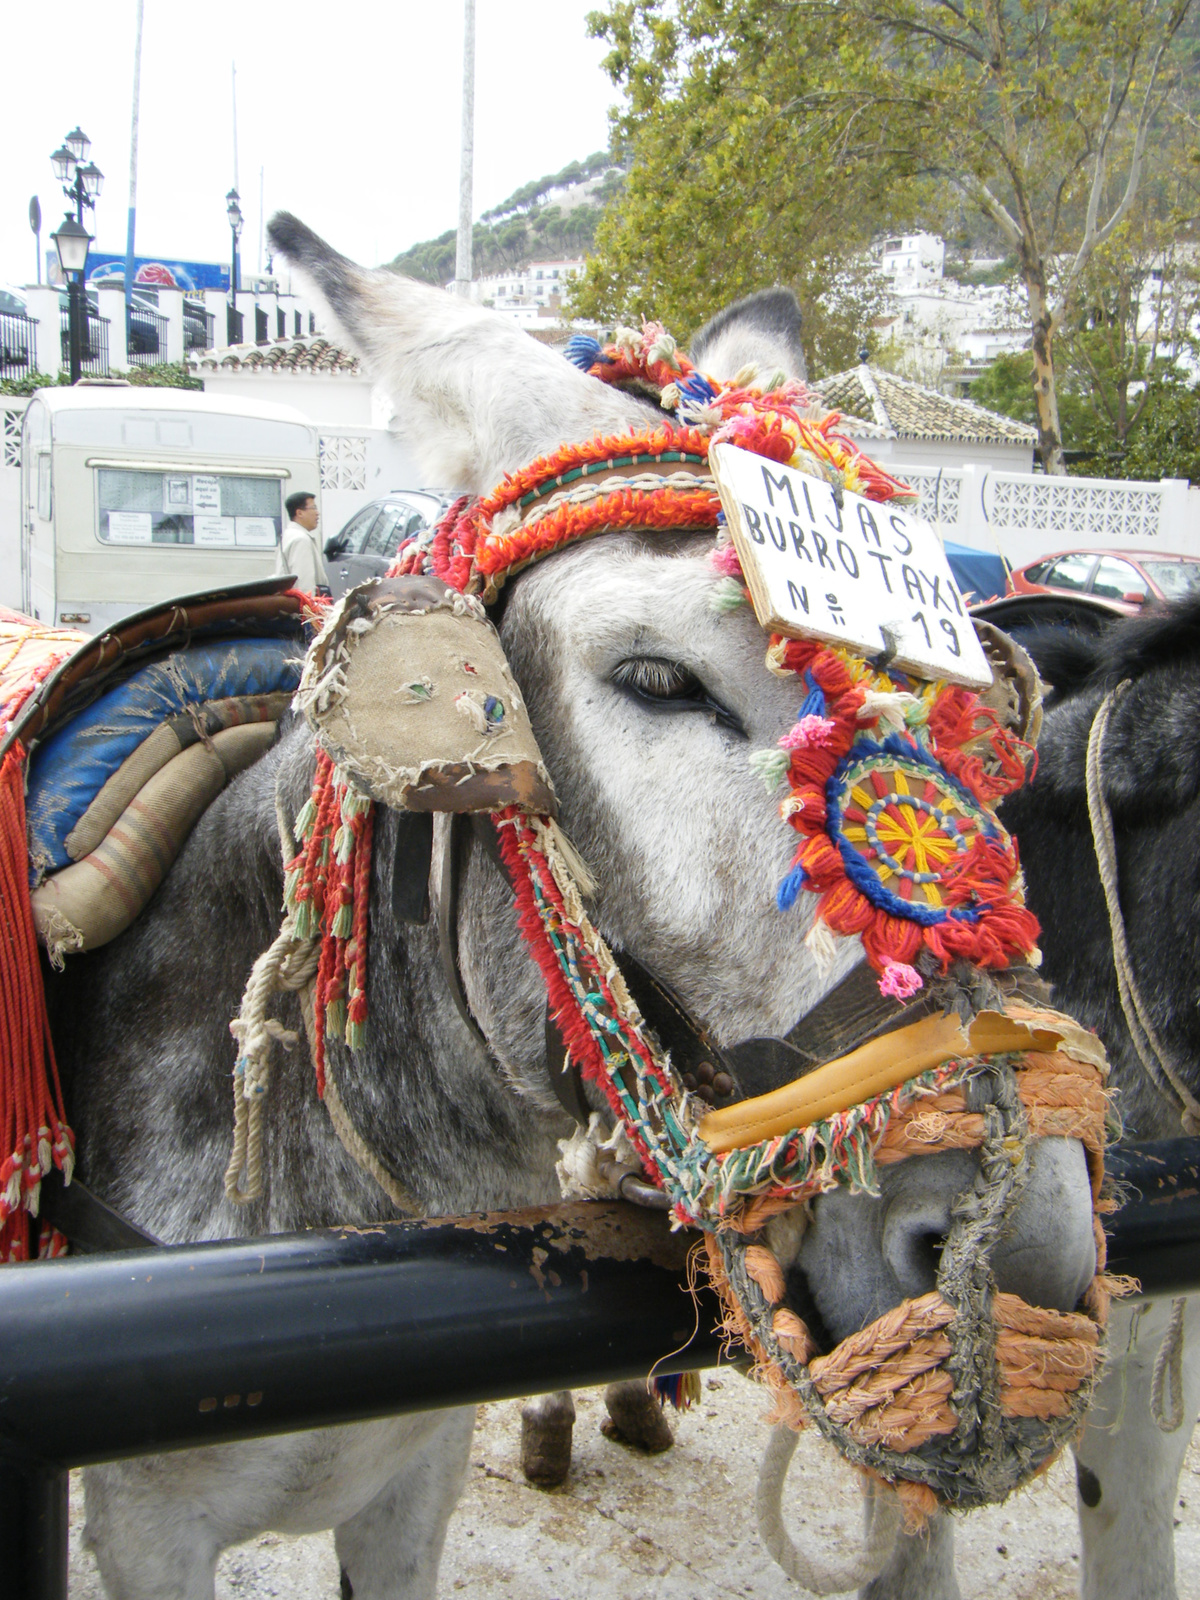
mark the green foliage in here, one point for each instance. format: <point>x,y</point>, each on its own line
<point>164,375</point>
<point>1161,441</point>
<point>1007,387</point>
<point>30,382</point>
<point>729,189</point>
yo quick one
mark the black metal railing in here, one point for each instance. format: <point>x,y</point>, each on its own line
<point>233,326</point>
<point>261,326</point>
<point>93,357</point>
<point>199,327</point>
<point>18,344</point>
<point>146,332</point>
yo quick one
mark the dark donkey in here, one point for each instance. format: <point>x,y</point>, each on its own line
<point>632,681</point>
<point>1146,765</point>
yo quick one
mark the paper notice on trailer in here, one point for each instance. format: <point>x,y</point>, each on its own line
<point>844,569</point>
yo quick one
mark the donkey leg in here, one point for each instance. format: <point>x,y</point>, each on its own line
<point>635,1416</point>
<point>547,1422</point>
<point>1127,1469</point>
<point>147,1548</point>
<point>921,1568</point>
<point>391,1549</point>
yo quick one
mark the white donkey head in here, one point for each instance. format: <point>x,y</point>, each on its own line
<point>647,702</point>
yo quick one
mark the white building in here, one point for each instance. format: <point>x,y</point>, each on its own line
<point>532,294</point>
<point>912,259</point>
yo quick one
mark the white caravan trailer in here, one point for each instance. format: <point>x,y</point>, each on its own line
<point>130,496</point>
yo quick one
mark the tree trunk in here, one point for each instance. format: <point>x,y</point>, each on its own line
<point>1044,393</point>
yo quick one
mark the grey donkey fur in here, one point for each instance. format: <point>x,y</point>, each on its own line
<point>686,848</point>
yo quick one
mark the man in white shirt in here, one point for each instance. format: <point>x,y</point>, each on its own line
<point>300,550</point>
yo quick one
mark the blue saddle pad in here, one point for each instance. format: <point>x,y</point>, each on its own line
<point>69,769</point>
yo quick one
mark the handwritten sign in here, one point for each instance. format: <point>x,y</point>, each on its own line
<point>867,576</point>
<point>206,492</point>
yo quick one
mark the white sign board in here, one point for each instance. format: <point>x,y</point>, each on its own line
<point>129,527</point>
<point>859,574</point>
<point>212,530</point>
<point>257,532</point>
<point>206,493</point>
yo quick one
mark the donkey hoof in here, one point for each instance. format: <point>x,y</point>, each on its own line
<point>546,1424</point>
<point>635,1417</point>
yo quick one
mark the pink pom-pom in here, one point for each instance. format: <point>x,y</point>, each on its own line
<point>724,559</point>
<point>810,733</point>
<point>900,981</point>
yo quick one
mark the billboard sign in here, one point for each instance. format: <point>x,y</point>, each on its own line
<point>152,272</point>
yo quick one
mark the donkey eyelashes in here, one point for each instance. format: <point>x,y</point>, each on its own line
<point>669,685</point>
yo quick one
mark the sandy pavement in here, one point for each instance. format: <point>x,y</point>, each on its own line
<point>672,1527</point>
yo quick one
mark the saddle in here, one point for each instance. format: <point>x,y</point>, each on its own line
<point>111,749</point>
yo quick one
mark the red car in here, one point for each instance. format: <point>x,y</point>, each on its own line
<point>1127,579</point>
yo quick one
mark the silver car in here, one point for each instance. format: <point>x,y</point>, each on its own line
<point>366,546</point>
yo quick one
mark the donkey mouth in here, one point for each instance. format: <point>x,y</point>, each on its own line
<point>848,1259</point>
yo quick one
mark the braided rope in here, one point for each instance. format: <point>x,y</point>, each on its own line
<point>1168,1370</point>
<point>1160,1068</point>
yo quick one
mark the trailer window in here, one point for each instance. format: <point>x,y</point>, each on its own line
<point>191,508</point>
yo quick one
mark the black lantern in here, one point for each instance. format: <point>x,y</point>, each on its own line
<point>71,241</point>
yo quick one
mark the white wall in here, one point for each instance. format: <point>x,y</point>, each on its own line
<point>12,411</point>
<point>334,397</point>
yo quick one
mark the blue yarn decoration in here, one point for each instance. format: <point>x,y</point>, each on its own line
<point>582,351</point>
<point>696,388</point>
<point>814,700</point>
<point>789,890</point>
<point>858,870</point>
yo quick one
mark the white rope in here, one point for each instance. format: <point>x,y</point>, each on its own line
<point>882,1531</point>
<point>1168,1370</point>
<point>1154,1058</point>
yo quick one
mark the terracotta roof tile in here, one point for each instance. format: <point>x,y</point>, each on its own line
<point>907,410</point>
<point>314,354</point>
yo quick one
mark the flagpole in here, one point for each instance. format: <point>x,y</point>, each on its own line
<point>131,226</point>
<point>462,266</point>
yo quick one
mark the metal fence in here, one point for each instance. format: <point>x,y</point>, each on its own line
<point>105,1357</point>
<point>94,355</point>
<point>199,327</point>
<point>18,344</point>
<point>146,334</point>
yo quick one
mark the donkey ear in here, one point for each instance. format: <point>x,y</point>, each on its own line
<point>761,331</point>
<point>475,397</point>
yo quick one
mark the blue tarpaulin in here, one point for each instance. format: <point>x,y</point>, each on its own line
<point>979,574</point>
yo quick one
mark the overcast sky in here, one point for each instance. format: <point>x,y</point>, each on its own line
<point>352,109</point>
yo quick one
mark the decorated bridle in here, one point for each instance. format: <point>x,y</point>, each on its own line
<point>889,784</point>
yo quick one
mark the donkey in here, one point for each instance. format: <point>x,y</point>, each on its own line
<point>645,703</point>
<point>1127,1467</point>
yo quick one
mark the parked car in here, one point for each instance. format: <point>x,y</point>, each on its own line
<point>366,546</point>
<point>1128,579</point>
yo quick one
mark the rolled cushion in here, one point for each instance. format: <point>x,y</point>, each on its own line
<point>92,901</point>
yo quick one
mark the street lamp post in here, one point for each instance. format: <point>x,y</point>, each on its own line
<point>233,211</point>
<point>82,182</point>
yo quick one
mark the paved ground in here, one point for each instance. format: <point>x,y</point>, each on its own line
<point>676,1526</point>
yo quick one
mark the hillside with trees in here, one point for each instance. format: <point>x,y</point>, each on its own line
<point>535,221</point>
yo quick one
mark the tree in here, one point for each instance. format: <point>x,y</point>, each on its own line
<point>726,191</point>
<point>1038,112</point>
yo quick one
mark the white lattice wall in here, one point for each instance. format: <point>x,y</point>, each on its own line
<point>343,461</point>
<point>1025,515</point>
<point>940,494</point>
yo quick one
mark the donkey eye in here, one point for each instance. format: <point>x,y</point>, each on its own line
<point>656,678</point>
